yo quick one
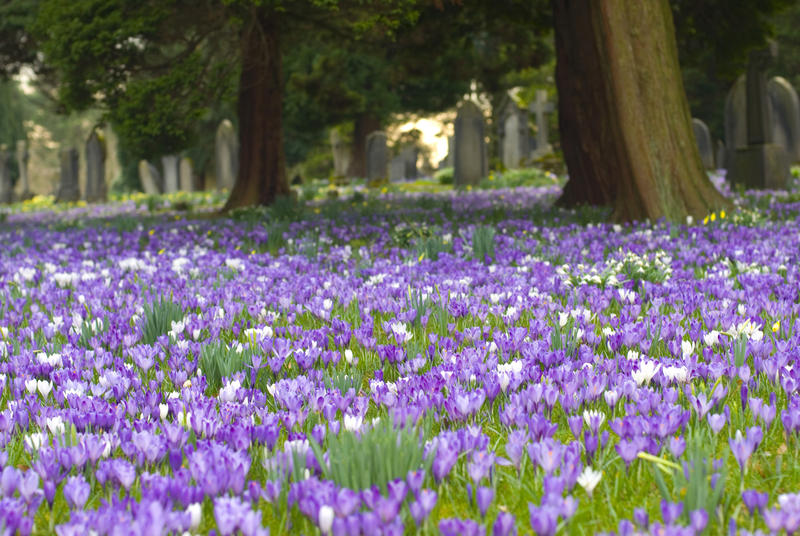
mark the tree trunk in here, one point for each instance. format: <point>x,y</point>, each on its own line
<point>363,126</point>
<point>262,164</point>
<point>623,114</point>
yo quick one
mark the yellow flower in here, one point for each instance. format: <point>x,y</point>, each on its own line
<point>776,326</point>
<point>469,187</point>
<point>722,214</point>
<point>705,220</point>
<point>161,251</point>
<point>152,231</point>
<point>421,257</point>
<point>384,190</point>
<point>713,216</point>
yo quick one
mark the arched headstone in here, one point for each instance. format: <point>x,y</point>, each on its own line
<point>170,165</point>
<point>702,137</point>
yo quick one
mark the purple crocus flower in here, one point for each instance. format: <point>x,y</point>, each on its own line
<point>504,525</point>
<point>677,445</point>
<point>76,492</point>
<point>485,495</point>
<point>754,500</point>
<point>670,511</point>
<point>698,519</point>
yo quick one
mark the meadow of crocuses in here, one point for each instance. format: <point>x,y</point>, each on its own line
<point>459,363</point>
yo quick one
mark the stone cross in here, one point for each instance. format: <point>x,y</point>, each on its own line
<point>68,191</point>
<point>470,158</point>
<point>150,178</point>
<point>702,137</point>
<point>95,169</point>
<point>5,175</point>
<point>186,174</point>
<point>541,107</point>
<point>22,164</point>
<point>377,156</point>
<point>170,164</point>
<point>227,155</point>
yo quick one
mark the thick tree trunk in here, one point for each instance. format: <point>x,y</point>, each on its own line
<point>363,126</point>
<point>262,164</point>
<point>623,114</point>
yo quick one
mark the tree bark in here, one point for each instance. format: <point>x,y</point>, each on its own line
<point>623,114</point>
<point>363,126</point>
<point>262,164</point>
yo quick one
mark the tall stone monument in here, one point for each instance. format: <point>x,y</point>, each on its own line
<point>96,190</point>
<point>470,158</point>
<point>170,165</point>
<point>68,190</point>
<point>149,177</point>
<point>514,134</point>
<point>341,154</point>
<point>761,164</point>
<point>377,156</point>
<point>540,108</point>
<point>6,192</point>
<point>24,187</point>
<point>227,155</point>
<point>186,175</point>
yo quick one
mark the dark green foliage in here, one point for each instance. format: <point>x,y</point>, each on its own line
<point>218,360</point>
<point>376,455</point>
<point>158,318</point>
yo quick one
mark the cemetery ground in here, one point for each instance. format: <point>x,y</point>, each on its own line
<point>388,362</point>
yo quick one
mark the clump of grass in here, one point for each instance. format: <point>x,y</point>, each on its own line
<point>158,318</point>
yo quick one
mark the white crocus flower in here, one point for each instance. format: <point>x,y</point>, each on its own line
<point>44,387</point>
<point>352,423</point>
<point>678,374</point>
<point>30,385</point>
<point>228,393</point>
<point>589,479</point>
<point>647,369</point>
<point>711,338</point>
<point>590,415</point>
<point>687,348</point>
<point>326,515</point>
<point>163,411</point>
<point>348,356</point>
<point>195,511</point>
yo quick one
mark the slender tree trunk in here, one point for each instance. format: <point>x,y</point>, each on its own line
<point>262,164</point>
<point>363,126</point>
<point>623,115</point>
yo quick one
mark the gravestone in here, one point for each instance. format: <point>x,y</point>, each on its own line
<point>720,155</point>
<point>24,187</point>
<point>227,155</point>
<point>186,175</point>
<point>760,163</point>
<point>150,178</point>
<point>540,108</point>
<point>397,169</point>
<point>410,155</point>
<point>377,156</point>
<point>95,169</point>
<point>515,139</point>
<point>785,116</point>
<point>68,190</point>
<point>448,159</point>
<point>702,137</point>
<point>170,165</point>
<point>6,193</point>
<point>470,161</point>
<point>341,154</point>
